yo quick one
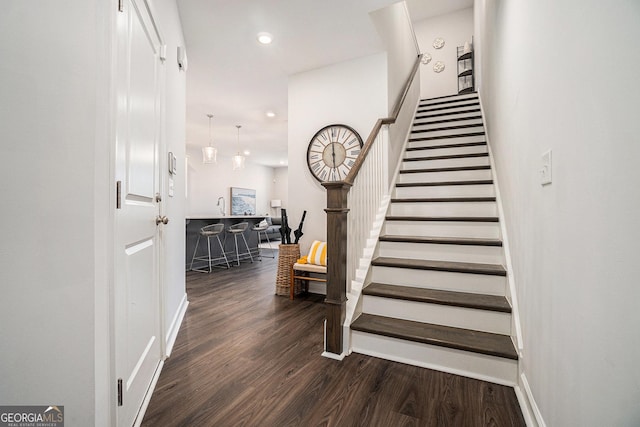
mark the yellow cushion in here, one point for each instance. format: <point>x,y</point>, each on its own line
<point>302,260</point>
<point>318,253</point>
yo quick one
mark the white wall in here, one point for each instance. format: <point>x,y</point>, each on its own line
<point>394,27</point>
<point>396,31</point>
<point>174,292</point>
<point>280,188</point>
<point>561,76</point>
<point>48,81</point>
<point>207,182</point>
<point>455,28</point>
<point>57,142</point>
<point>352,93</point>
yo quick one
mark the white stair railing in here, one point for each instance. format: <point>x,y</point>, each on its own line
<point>364,199</point>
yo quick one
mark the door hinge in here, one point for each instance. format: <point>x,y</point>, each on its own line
<point>118,194</point>
<point>120,6</point>
<point>119,391</point>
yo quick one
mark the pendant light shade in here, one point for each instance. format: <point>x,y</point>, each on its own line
<point>238,160</point>
<point>209,153</point>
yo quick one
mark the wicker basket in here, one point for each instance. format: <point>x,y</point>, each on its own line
<point>287,256</point>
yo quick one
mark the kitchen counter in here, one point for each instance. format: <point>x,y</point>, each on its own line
<point>195,222</point>
<point>218,216</point>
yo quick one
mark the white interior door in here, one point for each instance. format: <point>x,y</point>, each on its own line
<point>137,247</point>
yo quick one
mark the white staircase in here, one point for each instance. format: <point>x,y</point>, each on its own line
<point>435,295</point>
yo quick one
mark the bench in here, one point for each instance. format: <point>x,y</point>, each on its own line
<point>302,272</point>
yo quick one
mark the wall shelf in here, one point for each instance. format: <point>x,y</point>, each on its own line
<point>466,82</point>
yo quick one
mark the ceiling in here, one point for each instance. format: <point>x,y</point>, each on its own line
<point>235,78</point>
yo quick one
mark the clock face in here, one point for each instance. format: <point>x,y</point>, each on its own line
<point>332,152</point>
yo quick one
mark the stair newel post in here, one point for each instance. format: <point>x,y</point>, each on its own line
<point>337,211</point>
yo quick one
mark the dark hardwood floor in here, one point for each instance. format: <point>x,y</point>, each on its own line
<point>246,357</point>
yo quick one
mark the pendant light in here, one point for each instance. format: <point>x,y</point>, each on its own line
<point>209,153</point>
<point>238,159</point>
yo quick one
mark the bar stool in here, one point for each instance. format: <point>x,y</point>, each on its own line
<point>209,231</point>
<point>263,229</point>
<point>236,229</point>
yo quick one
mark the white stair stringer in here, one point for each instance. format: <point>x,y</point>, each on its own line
<point>353,306</point>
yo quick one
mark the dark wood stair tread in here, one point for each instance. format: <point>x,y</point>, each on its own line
<point>444,183</point>
<point>451,266</point>
<point>472,125</point>
<point>447,169</point>
<point>445,336</point>
<point>458,145</point>
<point>449,156</point>
<point>457,135</point>
<point>467,241</point>
<point>438,296</point>
<point>443,200</point>
<point>443,218</point>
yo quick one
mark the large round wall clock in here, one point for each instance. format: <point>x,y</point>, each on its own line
<point>332,152</point>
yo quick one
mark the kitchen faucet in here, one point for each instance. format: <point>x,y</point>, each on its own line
<point>222,209</point>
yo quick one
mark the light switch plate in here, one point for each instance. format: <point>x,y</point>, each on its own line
<point>545,172</point>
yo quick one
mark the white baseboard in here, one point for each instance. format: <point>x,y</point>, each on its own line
<point>172,332</point>
<point>530,411</point>
<point>338,357</point>
<point>325,353</point>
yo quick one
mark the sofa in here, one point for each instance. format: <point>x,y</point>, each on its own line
<point>273,231</point>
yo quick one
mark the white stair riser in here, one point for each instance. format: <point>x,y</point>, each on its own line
<point>424,127</point>
<point>445,280</point>
<point>487,230</point>
<point>445,163</point>
<point>458,98</point>
<point>444,209</point>
<point>447,132</point>
<point>442,252</point>
<point>443,141</point>
<point>464,175</point>
<point>457,317</point>
<point>473,365</point>
<point>450,151</point>
<point>480,190</point>
<point>461,106</point>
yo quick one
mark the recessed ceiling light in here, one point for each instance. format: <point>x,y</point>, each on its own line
<point>247,152</point>
<point>270,114</point>
<point>265,38</point>
<point>283,162</point>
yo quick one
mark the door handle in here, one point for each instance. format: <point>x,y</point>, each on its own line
<point>161,220</point>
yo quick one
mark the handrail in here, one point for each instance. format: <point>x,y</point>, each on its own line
<point>351,176</point>
<point>407,85</point>
<point>337,210</point>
